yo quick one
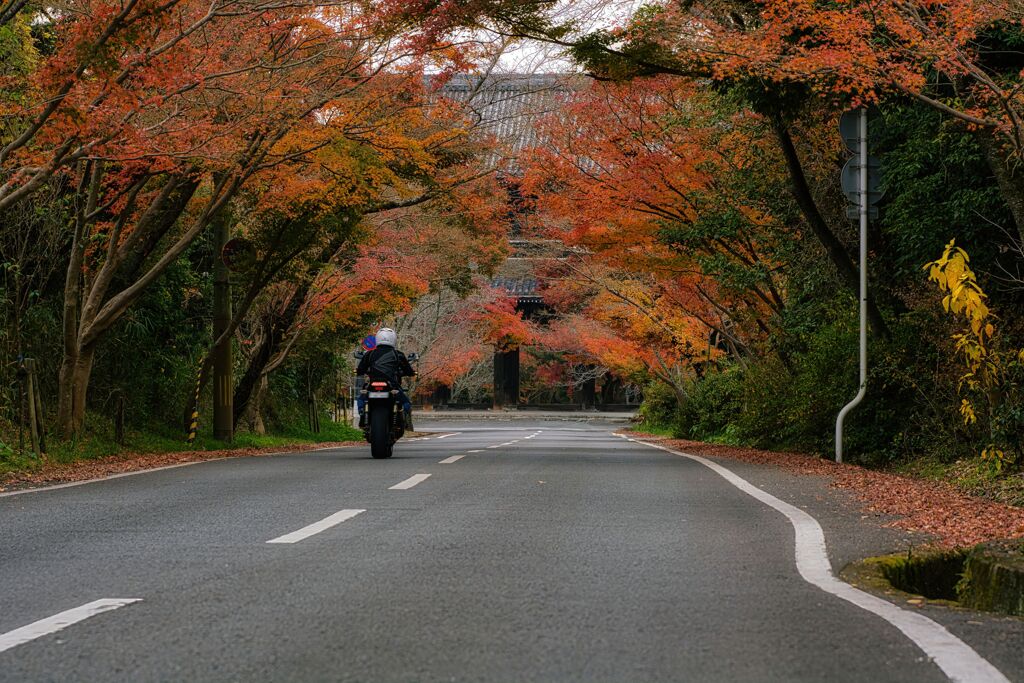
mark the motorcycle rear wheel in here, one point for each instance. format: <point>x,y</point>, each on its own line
<point>380,434</point>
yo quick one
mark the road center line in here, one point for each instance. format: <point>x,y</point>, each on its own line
<point>410,482</point>
<point>957,660</point>
<point>317,527</point>
<point>479,450</point>
<point>60,621</point>
<point>449,461</point>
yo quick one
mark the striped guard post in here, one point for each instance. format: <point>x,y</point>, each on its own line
<point>193,425</point>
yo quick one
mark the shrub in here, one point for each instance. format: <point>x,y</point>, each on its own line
<point>713,405</point>
<point>659,407</point>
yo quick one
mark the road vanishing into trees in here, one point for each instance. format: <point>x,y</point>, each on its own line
<point>527,550</point>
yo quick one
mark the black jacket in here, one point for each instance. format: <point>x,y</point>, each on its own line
<point>385,362</point>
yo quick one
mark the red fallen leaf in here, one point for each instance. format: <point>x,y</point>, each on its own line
<point>955,519</point>
<point>59,473</point>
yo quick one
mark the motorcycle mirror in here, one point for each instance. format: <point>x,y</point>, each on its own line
<point>358,355</point>
<point>414,356</point>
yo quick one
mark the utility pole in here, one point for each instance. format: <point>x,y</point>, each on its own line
<point>223,383</point>
<point>862,189</point>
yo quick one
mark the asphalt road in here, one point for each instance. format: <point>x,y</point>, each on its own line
<point>549,551</point>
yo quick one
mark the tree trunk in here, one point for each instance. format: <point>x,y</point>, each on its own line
<point>89,310</point>
<point>276,329</point>
<point>255,418</point>
<point>248,388</point>
<point>75,371</point>
<point>819,226</point>
<point>65,400</point>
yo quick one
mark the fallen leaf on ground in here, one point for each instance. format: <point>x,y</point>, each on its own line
<point>956,520</point>
<point>63,473</point>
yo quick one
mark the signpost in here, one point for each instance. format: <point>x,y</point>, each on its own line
<point>862,185</point>
<point>238,254</point>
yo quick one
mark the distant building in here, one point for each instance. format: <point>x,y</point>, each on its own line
<point>506,107</point>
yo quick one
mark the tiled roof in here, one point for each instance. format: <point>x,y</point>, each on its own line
<point>507,106</point>
<point>523,288</point>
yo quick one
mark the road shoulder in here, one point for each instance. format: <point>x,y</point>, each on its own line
<point>51,474</point>
<point>855,529</point>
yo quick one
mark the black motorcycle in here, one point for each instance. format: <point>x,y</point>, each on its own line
<point>385,423</point>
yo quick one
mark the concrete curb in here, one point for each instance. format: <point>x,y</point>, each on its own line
<point>994,578</point>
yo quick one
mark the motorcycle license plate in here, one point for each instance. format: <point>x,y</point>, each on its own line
<point>379,394</point>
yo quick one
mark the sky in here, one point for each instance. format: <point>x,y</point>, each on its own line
<point>535,57</point>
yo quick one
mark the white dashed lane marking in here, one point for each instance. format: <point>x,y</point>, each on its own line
<point>454,458</point>
<point>317,527</point>
<point>410,482</point>
<point>45,627</point>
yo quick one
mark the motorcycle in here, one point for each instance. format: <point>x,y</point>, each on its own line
<point>385,423</point>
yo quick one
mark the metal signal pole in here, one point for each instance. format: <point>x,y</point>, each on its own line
<point>864,162</point>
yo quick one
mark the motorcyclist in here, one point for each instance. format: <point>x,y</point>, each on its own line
<point>385,362</point>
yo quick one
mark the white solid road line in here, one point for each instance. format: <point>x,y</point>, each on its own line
<point>134,473</point>
<point>119,475</point>
<point>956,658</point>
<point>410,482</point>
<point>449,461</point>
<point>317,527</point>
<point>60,621</point>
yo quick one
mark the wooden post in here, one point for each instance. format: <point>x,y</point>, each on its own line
<point>21,416</point>
<point>315,416</point>
<point>119,419</point>
<point>33,426</point>
<point>39,410</point>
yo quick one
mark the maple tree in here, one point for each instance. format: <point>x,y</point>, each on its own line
<point>400,252</point>
<point>445,330</point>
<point>162,114</point>
<point>648,184</point>
<point>680,208</point>
<point>958,58</point>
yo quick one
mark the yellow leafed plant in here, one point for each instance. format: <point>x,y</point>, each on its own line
<point>991,373</point>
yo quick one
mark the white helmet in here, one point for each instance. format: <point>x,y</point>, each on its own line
<point>387,337</point>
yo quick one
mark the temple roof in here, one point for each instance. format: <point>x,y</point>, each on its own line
<point>523,288</point>
<point>507,106</point>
